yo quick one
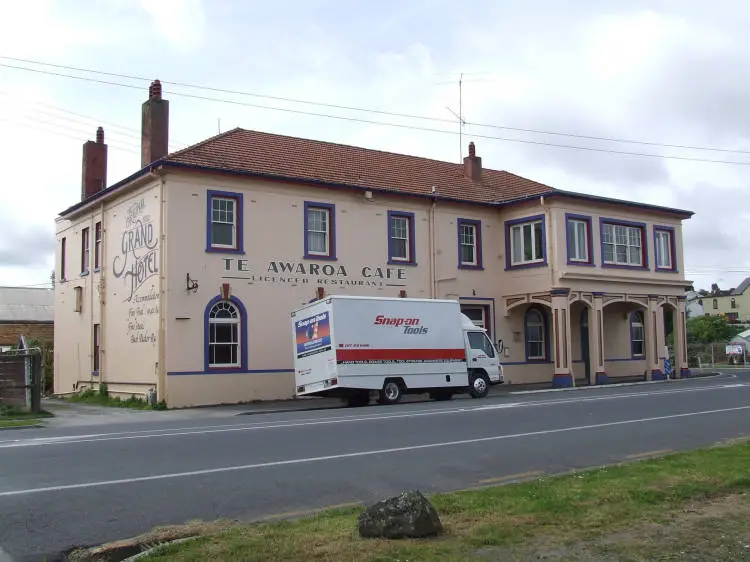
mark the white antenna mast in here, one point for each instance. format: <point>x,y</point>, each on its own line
<point>460,117</point>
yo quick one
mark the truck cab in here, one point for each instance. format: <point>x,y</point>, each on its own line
<point>482,357</point>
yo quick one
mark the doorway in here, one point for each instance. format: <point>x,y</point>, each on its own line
<point>585,354</point>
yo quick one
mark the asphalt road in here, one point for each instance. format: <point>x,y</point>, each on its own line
<point>74,486</point>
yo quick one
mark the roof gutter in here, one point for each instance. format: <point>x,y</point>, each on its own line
<point>133,180</point>
<point>598,199</point>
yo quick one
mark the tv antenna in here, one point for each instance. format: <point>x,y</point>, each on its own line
<point>460,116</point>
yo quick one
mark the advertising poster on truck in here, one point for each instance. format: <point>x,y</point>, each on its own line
<point>313,335</point>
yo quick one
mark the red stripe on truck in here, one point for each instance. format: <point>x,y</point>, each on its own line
<point>399,354</point>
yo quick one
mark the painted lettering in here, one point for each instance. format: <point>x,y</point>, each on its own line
<point>381,320</point>
<point>139,258</point>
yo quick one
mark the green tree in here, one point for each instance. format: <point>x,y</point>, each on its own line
<point>710,329</point>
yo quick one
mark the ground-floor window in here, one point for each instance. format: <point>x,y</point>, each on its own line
<point>224,335</point>
<point>97,347</point>
<point>536,335</point>
<point>479,315</point>
<point>637,334</point>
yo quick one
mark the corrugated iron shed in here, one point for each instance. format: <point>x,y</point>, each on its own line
<point>25,304</point>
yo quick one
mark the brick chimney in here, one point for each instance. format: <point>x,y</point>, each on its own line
<point>154,126</point>
<point>94,166</point>
<point>473,165</point>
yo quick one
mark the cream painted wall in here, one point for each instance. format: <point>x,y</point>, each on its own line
<point>269,292</point>
<point>125,310</point>
<point>589,278</point>
<point>75,314</point>
<point>132,284</point>
<point>272,277</point>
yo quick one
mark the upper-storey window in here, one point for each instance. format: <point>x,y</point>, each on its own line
<point>527,243</point>
<point>578,234</point>
<point>664,248</point>
<point>98,246</point>
<point>401,237</point>
<point>319,230</point>
<point>469,244</point>
<point>84,251</point>
<point>224,222</point>
<point>623,244</point>
<point>62,258</point>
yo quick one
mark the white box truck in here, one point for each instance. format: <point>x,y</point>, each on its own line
<point>352,346</point>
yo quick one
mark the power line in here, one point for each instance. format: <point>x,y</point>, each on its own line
<point>135,133</point>
<point>78,138</point>
<point>368,110</point>
<point>397,125</point>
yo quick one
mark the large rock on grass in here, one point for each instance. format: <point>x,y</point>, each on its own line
<point>408,515</point>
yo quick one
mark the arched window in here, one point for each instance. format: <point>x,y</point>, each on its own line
<point>536,332</point>
<point>637,335</point>
<point>224,335</point>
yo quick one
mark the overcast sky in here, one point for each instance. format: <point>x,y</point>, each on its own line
<point>663,72</point>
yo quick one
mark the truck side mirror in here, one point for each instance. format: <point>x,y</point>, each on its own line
<point>500,346</point>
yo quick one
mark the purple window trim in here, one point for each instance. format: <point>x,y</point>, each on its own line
<point>477,224</point>
<point>672,246</point>
<point>412,245</point>
<point>644,243</point>
<point>507,225</point>
<point>331,208</point>
<point>239,212</point>
<point>591,262</point>
<point>243,336</point>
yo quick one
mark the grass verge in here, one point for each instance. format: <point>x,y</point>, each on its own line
<point>659,508</point>
<point>103,398</point>
<point>14,417</point>
<point>4,424</point>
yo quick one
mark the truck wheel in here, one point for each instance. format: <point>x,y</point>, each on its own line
<point>480,385</point>
<point>390,393</point>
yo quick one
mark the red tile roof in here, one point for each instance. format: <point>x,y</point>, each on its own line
<point>244,151</point>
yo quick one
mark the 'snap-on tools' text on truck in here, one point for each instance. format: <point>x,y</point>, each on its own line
<point>349,346</point>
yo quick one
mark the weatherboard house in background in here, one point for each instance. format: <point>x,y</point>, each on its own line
<point>181,277</point>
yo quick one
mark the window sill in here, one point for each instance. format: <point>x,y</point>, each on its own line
<point>399,262</point>
<point>211,250</point>
<point>623,266</point>
<point>666,270</point>
<point>319,257</point>
<point>526,265</point>
<point>581,263</point>
<point>469,266</point>
<point>84,273</point>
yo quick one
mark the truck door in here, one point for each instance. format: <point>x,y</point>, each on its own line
<point>483,355</point>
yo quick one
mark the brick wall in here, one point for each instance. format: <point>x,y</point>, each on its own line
<point>9,333</point>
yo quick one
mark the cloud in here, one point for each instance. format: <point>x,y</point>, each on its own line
<point>181,22</point>
<point>29,246</point>
<point>654,71</point>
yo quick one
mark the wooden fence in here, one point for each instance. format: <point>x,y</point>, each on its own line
<point>21,379</point>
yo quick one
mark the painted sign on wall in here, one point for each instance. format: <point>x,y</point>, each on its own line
<point>137,265</point>
<point>138,260</point>
<point>302,273</point>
